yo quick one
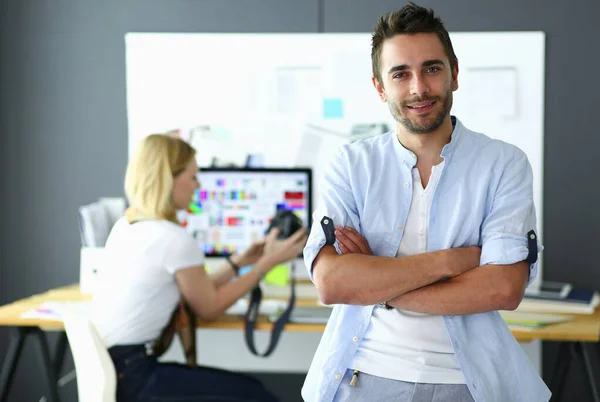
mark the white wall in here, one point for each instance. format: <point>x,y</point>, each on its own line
<point>265,93</point>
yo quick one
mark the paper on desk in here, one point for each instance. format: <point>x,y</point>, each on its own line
<point>527,322</point>
<point>539,319</point>
<point>54,310</point>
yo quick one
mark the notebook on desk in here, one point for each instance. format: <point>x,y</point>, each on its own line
<point>576,301</point>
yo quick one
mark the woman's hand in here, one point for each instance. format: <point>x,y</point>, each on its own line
<point>279,251</point>
<point>250,255</point>
<point>351,242</point>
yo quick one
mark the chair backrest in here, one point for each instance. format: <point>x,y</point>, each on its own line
<point>96,375</point>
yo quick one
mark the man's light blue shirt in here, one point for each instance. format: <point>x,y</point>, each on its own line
<point>484,198</point>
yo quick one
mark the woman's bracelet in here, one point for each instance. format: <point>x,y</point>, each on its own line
<point>236,268</point>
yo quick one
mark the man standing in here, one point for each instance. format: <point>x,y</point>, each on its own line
<point>435,225</point>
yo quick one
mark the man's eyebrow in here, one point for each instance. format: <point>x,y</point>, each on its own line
<point>427,63</point>
<point>434,62</point>
<point>398,68</point>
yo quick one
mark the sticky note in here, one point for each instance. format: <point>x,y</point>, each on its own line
<point>333,108</point>
<point>278,276</point>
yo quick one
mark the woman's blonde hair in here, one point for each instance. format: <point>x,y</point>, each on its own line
<point>149,177</point>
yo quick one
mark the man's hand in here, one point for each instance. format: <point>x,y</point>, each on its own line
<point>459,260</point>
<point>351,242</point>
<point>463,259</point>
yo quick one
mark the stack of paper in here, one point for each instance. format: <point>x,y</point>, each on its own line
<point>566,299</point>
<point>527,322</point>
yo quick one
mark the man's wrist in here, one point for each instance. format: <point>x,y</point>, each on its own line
<point>448,262</point>
<point>385,305</point>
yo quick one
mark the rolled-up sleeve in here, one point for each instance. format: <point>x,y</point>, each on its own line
<point>504,231</point>
<point>335,201</point>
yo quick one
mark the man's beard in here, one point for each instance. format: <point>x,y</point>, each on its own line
<point>428,124</point>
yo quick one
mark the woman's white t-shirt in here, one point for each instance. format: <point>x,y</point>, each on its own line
<point>136,291</point>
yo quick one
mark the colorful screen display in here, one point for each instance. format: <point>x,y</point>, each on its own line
<point>234,207</point>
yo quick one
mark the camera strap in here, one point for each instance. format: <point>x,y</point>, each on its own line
<point>278,326</point>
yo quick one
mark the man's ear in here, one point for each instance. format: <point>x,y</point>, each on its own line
<point>379,88</point>
<point>455,77</point>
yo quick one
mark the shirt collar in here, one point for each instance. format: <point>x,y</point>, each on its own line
<point>408,157</point>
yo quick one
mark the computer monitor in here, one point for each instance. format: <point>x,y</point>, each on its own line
<point>234,206</point>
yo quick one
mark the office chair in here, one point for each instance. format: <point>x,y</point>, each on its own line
<point>96,374</point>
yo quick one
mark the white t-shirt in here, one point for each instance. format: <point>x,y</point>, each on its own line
<point>137,291</point>
<point>403,345</point>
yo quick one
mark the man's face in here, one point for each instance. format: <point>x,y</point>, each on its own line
<point>417,81</point>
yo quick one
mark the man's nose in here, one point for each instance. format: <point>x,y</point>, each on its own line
<point>418,85</point>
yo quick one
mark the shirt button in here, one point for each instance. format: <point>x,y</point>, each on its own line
<point>406,185</point>
<point>400,226</point>
<point>413,156</point>
<point>355,339</point>
<point>338,376</point>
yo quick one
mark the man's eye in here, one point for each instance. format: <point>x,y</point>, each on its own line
<point>433,69</point>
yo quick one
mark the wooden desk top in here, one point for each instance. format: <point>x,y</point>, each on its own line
<point>584,327</point>
<point>10,314</point>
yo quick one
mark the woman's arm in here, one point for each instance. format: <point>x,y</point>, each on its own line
<point>209,301</point>
<point>249,256</point>
<point>225,272</point>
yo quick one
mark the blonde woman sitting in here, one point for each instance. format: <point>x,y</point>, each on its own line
<point>152,262</point>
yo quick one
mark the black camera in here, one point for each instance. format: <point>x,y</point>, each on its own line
<point>287,223</point>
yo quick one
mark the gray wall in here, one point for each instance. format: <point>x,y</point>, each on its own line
<point>63,122</point>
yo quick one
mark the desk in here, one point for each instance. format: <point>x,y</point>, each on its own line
<point>577,338</point>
